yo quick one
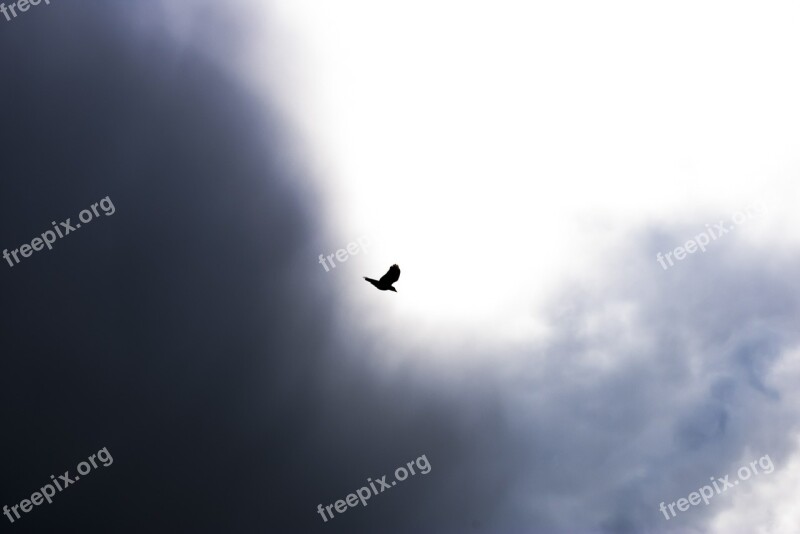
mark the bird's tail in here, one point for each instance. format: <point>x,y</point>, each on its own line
<point>373,282</point>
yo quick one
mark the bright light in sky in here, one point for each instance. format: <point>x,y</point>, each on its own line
<point>493,149</point>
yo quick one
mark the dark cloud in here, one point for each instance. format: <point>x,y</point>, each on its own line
<point>194,335</point>
<point>183,332</point>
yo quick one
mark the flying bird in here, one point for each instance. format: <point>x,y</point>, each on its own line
<point>386,281</point>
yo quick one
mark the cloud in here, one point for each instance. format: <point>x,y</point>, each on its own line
<point>195,336</point>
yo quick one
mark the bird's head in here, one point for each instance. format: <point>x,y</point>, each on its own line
<point>391,288</point>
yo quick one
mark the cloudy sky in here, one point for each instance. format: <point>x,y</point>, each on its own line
<point>555,354</point>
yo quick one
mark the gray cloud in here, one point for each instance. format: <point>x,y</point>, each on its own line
<point>194,335</point>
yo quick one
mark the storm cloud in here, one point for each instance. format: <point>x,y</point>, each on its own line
<point>195,336</point>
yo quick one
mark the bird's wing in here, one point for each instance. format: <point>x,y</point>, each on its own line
<point>392,275</point>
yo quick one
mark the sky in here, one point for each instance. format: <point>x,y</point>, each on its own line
<point>553,354</point>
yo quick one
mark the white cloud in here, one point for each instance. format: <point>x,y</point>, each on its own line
<point>499,147</point>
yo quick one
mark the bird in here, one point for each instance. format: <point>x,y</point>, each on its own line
<point>386,281</point>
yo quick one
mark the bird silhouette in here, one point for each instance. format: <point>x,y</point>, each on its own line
<point>386,281</point>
